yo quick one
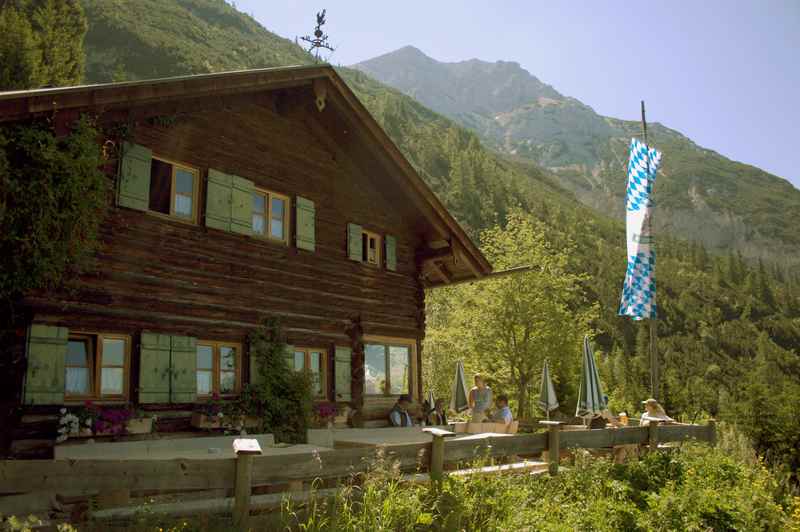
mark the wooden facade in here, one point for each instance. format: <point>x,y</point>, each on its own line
<point>171,281</point>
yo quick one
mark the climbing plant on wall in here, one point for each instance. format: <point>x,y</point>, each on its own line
<point>52,201</point>
<point>280,396</point>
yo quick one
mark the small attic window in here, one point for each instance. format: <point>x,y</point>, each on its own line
<point>370,248</point>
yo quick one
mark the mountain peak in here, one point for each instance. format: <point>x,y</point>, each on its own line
<point>410,50</point>
<point>465,87</point>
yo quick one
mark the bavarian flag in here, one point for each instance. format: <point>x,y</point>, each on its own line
<point>639,291</point>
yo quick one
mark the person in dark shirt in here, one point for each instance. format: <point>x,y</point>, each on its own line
<point>437,415</point>
<point>398,415</point>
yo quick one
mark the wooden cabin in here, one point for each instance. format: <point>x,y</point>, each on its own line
<point>234,197</point>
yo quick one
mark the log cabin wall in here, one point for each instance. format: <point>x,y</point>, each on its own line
<point>162,275</point>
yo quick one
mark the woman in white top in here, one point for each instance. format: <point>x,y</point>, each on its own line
<point>480,400</point>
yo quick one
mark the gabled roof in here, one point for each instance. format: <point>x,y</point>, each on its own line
<point>452,255</point>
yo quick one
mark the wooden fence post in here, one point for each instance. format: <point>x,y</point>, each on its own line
<point>652,435</point>
<point>553,445</point>
<point>712,431</point>
<point>245,449</point>
<point>436,467</point>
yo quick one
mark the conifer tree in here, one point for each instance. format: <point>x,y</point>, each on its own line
<point>41,43</point>
<point>21,63</point>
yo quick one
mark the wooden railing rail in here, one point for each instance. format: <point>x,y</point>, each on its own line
<point>93,476</point>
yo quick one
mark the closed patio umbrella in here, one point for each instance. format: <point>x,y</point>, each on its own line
<point>458,399</point>
<point>591,400</point>
<point>547,395</point>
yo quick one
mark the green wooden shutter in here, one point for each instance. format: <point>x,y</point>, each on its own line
<point>154,368</point>
<point>391,252</point>
<point>354,244</point>
<point>344,373</point>
<point>47,352</point>
<point>242,205</point>
<point>133,182</point>
<point>305,214</point>
<point>218,200</point>
<point>183,388</point>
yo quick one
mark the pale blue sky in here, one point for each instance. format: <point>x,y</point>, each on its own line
<point>724,73</point>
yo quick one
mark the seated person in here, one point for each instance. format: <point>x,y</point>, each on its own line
<point>597,422</point>
<point>654,412</point>
<point>437,415</point>
<point>398,415</point>
<point>503,414</point>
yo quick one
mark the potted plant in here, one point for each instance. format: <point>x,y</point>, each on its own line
<point>120,420</point>
<point>246,411</point>
<point>208,415</point>
<point>75,424</point>
<point>112,421</point>
<point>324,414</point>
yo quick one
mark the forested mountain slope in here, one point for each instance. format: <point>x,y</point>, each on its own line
<point>728,333</point>
<point>701,194</point>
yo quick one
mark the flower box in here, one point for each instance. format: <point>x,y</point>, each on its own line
<point>139,425</point>
<point>136,425</point>
<point>82,433</point>
<point>202,421</point>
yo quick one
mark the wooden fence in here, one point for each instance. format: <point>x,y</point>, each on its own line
<point>89,477</point>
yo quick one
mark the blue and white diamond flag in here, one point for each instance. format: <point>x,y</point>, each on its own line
<point>639,290</point>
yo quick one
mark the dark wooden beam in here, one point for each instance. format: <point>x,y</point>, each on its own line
<point>438,269</point>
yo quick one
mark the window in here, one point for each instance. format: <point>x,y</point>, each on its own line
<point>388,367</point>
<point>96,366</point>
<point>315,361</point>
<point>173,189</point>
<point>218,368</point>
<point>270,215</point>
<point>370,248</point>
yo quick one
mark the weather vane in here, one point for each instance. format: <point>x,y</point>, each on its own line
<point>320,39</point>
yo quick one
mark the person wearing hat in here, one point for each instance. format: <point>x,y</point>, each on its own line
<point>398,415</point>
<point>653,412</point>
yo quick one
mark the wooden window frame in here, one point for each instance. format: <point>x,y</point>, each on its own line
<point>287,206</point>
<point>378,248</point>
<point>195,192</point>
<point>387,342</point>
<point>96,368</point>
<point>216,372</point>
<point>323,374</point>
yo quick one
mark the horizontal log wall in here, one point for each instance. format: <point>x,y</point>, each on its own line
<point>162,275</point>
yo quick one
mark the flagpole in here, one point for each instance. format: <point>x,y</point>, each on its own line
<point>654,369</point>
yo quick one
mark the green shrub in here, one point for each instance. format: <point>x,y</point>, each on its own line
<point>693,488</point>
<point>281,397</point>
